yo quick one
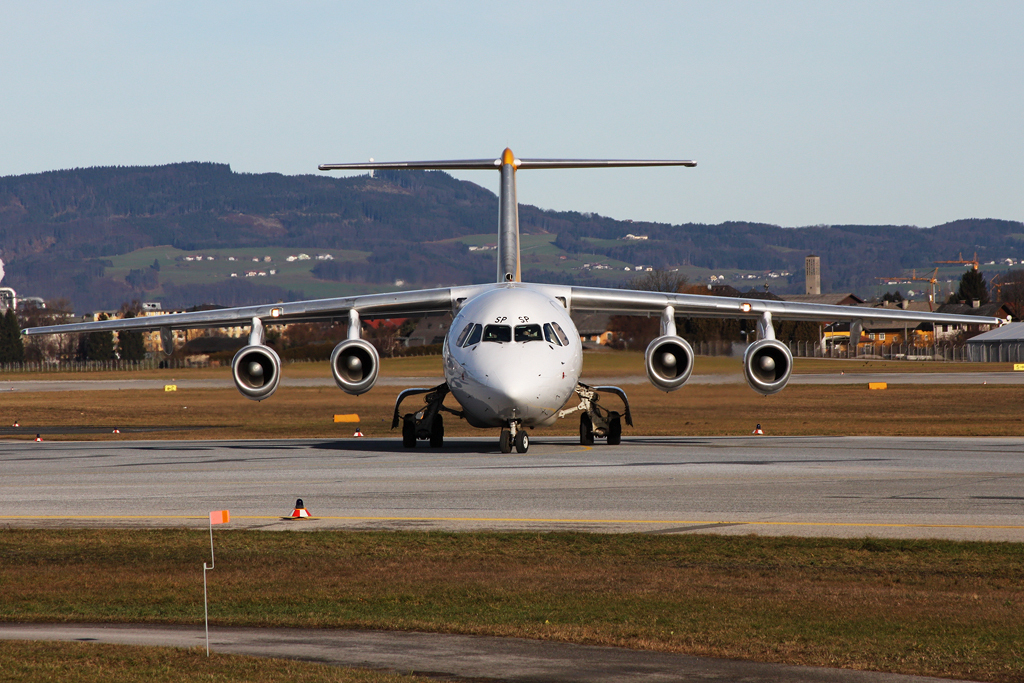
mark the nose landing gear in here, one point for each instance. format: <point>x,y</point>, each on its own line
<point>514,436</point>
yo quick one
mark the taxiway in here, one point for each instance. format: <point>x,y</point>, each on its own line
<point>962,488</point>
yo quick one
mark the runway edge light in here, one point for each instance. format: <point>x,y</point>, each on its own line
<point>758,431</point>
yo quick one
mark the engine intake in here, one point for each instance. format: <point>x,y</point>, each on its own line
<point>354,364</point>
<point>767,364</point>
<point>669,362</point>
<point>256,370</point>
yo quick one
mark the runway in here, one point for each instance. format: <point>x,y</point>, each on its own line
<point>963,488</point>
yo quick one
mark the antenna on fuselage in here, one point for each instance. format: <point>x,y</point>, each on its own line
<point>508,207</point>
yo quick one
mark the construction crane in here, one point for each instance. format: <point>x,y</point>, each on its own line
<point>962,261</point>
<point>932,279</point>
<point>904,279</point>
<point>998,287</point>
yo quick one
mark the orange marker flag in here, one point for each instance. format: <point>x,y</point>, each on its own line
<point>220,517</point>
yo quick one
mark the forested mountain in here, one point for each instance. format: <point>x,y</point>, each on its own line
<point>59,230</point>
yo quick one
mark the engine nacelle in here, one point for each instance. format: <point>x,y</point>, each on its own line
<point>669,362</point>
<point>354,364</point>
<point>256,370</point>
<point>767,364</point>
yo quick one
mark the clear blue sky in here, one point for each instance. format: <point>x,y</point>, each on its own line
<point>798,113</point>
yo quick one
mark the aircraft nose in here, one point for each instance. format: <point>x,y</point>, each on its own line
<point>511,388</point>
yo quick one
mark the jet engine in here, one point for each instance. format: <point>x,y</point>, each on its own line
<point>256,370</point>
<point>767,364</point>
<point>669,362</point>
<point>354,364</point>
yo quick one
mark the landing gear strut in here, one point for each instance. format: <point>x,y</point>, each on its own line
<point>595,420</point>
<point>426,424</point>
<point>515,436</point>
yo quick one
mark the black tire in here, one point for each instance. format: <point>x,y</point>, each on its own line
<point>614,429</point>
<point>586,430</point>
<point>505,441</point>
<point>522,441</point>
<point>437,432</point>
<point>409,431</point>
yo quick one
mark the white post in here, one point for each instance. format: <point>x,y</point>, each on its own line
<point>206,604</point>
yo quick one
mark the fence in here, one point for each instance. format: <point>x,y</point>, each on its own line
<point>996,352</point>
<point>101,365</point>
<point>934,352</point>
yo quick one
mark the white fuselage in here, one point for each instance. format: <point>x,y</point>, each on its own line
<point>512,354</point>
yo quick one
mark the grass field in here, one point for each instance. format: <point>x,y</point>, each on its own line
<point>103,663</point>
<point>295,275</point>
<point>921,607</point>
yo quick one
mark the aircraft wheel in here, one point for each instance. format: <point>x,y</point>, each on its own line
<point>586,430</point>
<point>522,441</point>
<point>505,441</point>
<point>437,432</point>
<point>614,429</point>
<point>409,431</point>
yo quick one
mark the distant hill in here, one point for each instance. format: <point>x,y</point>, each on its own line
<point>73,234</point>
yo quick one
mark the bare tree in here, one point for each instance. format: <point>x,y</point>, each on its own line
<point>659,280</point>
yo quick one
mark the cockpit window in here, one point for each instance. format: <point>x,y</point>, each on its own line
<point>497,333</point>
<point>550,336</point>
<point>474,336</point>
<point>528,333</point>
<point>464,334</point>
<point>561,335</point>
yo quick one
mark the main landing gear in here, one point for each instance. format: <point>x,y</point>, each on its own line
<point>514,436</point>
<point>595,420</point>
<point>427,424</point>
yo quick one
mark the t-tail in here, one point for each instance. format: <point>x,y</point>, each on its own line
<point>508,208</point>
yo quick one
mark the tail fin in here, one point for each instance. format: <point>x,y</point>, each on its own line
<point>508,207</point>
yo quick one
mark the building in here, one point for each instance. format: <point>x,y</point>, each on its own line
<point>593,327</point>
<point>949,332</point>
<point>834,299</point>
<point>8,299</point>
<point>1002,345</point>
<point>812,275</point>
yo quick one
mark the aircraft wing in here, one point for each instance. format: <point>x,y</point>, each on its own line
<point>632,302</point>
<point>388,305</point>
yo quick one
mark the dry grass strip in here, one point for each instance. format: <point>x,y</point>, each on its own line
<point>697,410</point>
<point>919,607</point>
<point>104,663</point>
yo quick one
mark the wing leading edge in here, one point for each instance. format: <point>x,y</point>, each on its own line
<point>633,302</point>
<point>387,305</point>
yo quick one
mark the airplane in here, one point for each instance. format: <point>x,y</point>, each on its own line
<point>513,358</point>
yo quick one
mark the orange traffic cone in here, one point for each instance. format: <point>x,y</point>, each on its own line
<point>358,433</point>
<point>38,438</point>
<point>758,431</point>
<point>300,510</point>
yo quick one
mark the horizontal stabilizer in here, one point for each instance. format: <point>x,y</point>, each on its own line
<point>495,164</point>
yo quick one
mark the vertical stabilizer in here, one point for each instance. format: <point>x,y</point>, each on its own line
<point>508,221</point>
<point>508,206</point>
